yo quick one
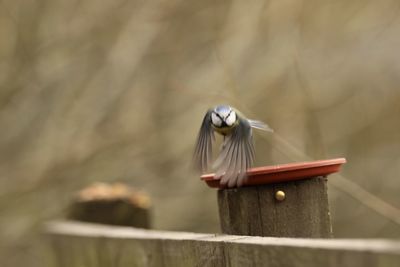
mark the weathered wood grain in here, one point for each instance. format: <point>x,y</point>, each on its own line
<point>254,210</point>
<point>81,244</point>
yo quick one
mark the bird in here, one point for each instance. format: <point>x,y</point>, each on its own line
<point>237,150</point>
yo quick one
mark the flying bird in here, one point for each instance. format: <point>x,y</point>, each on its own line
<point>237,151</point>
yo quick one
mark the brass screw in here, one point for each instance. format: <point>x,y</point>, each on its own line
<point>280,195</point>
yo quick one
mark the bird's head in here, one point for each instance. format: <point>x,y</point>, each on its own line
<point>223,117</point>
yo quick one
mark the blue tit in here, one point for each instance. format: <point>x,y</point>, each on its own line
<point>237,151</point>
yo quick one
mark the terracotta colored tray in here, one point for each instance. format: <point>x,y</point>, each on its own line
<point>284,172</point>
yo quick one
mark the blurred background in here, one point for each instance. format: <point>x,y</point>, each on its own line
<point>115,91</point>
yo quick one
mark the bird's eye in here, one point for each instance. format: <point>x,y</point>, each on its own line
<point>216,120</point>
<point>231,118</point>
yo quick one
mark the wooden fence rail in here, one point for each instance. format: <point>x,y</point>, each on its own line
<point>86,245</point>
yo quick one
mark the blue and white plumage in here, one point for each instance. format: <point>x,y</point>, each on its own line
<point>237,152</point>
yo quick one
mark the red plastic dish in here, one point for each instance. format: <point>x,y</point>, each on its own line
<point>284,172</point>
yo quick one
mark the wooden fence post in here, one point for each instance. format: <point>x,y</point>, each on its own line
<point>289,200</point>
<point>261,211</point>
<point>114,204</point>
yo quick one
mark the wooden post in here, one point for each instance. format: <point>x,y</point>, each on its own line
<point>114,204</point>
<point>287,200</point>
<point>261,211</point>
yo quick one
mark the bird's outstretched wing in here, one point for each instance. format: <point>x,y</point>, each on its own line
<point>260,125</point>
<point>203,150</point>
<point>237,155</point>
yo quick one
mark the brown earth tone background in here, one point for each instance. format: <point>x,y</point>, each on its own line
<point>115,91</point>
